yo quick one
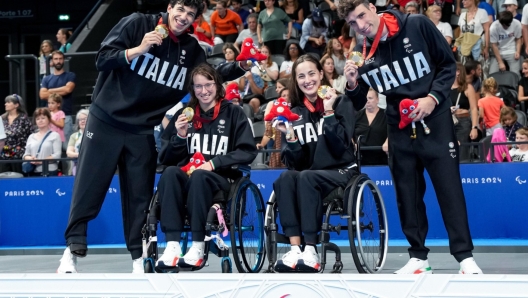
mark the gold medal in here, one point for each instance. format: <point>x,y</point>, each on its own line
<point>321,92</point>
<point>357,58</point>
<point>189,113</point>
<point>163,30</point>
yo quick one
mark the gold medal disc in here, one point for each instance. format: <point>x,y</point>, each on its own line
<point>162,29</point>
<point>189,113</point>
<point>357,58</point>
<point>321,92</point>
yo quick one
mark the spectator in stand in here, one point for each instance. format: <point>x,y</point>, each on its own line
<point>281,84</point>
<point>500,152</point>
<point>475,20</point>
<point>63,83</point>
<point>295,12</point>
<point>474,74</point>
<point>57,116</point>
<point>412,7</point>
<point>202,30</point>
<point>508,120</point>
<point>46,47</point>
<point>337,81</point>
<point>230,52</point>
<point>225,24</point>
<point>523,82</point>
<point>206,14</point>
<point>347,39</point>
<point>17,129</point>
<point>520,152</point>
<point>489,9</point>
<point>291,53</point>
<point>2,136</point>
<point>48,141</point>
<point>242,13</point>
<point>524,23</point>
<point>434,13</point>
<point>490,106</point>
<point>74,143</point>
<point>505,38</point>
<point>334,49</point>
<point>252,85</point>
<point>498,5</point>
<point>271,69</point>
<point>251,31</point>
<point>371,123</point>
<point>62,37</point>
<point>511,6</point>
<point>315,33</point>
<point>270,29</point>
<point>465,108</point>
<point>273,135</point>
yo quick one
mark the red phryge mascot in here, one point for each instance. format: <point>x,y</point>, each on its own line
<point>407,106</point>
<point>281,113</point>
<point>196,160</point>
<point>250,52</point>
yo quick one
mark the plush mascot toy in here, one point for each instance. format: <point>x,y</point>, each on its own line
<point>281,113</point>
<point>232,92</point>
<point>250,52</point>
<point>407,107</point>
<point>196,160</point>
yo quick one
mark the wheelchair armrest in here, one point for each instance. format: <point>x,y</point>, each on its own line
<point>246,169</point>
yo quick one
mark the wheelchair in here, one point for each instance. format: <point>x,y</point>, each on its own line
<point>243,211</point>
<point>361,204</point>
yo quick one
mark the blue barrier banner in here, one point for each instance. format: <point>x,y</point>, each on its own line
<point>34,211</point>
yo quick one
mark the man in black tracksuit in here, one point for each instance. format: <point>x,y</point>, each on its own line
<point>141,76</point>
<point>411,62</point>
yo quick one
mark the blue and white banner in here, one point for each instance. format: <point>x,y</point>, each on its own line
<point>34,211</point>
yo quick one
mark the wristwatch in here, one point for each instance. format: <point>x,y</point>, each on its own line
<point>475,127</point>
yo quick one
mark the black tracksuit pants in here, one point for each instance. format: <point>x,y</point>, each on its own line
<point>299,197</point>
<point>105,147</point>
<point>438,154</point>
<point>176,189</point>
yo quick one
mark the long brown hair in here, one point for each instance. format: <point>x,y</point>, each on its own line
<point>461,79</point>
<point>296,95</point>
<point>330,49</point>
<point>335,75</point>
<point>210,73</point>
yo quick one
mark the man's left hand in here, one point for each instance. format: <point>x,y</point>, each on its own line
<point>425,107</point>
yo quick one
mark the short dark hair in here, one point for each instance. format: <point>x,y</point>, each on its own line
<point>41,112</point>
<point>198,4</point>
<point>236,1</point>
<point>210,73</point>
<point>470,66</point>
<point>505,18</point>
<point>57,52</point>
<point>346,6</point>
<point>287,49</point>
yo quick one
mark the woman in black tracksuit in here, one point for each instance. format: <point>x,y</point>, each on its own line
<point>319,154</point>
<point>222,133</point>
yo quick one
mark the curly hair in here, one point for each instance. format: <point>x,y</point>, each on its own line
<point>347,6</point>
<point>198,4</point>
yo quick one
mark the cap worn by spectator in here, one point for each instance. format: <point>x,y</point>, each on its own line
<point>317,15</point>
<point>509,2</point>
<point>232,92</point>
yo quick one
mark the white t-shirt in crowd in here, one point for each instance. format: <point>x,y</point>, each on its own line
<point>475,25</point>
<point>505,38</point>
<point>256,71</point>
<point>445,29</point>
<point>518,155</point>
<point>286,67</point>
<point>524,19</point>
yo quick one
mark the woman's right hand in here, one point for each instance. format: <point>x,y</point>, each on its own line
<point>181,125</point>
<point>260,40</point>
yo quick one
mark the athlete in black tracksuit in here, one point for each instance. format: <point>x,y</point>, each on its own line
<point>413,63</point>
<point>129,99</point>
<point>320,157</point>
<point>225,141</point>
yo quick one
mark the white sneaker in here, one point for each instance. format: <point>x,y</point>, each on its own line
<point>170,256</point>
<point>469,266</point>
<point>415,266</point>
<point>137,266</point>
<point>289,260</point>
<point>310,259</point>
<point>195,256</point>
<point>68,262</point>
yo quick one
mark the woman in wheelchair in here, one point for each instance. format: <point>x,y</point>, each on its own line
<point>319,155</point>
<point>222,133</point>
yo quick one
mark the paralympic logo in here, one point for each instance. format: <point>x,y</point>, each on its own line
<point>518,179</point>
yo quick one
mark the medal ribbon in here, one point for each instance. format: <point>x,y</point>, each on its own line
<point>197,120</point>
<point>319,107</point>
<point>172,36</point>
<point>376,41</point>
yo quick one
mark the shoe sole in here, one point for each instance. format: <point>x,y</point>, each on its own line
<point>183,264</point>
<point>306,267</point>
<point>415,272</point>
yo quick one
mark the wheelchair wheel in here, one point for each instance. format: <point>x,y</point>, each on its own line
<point>148,265</point>
<point>274,249</point>
<point>247,228</point>
<point>226,266</point>
<point>367,226</point>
